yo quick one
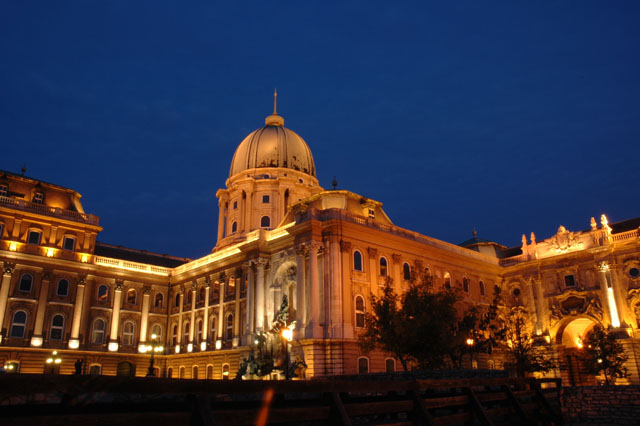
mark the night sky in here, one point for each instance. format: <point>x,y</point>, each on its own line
<point>508,118</point>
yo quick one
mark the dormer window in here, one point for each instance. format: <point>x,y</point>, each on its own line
<point>265,199</point>
<point>4,190</point>
<point>372,213</point>
<point>69,243</point>
<point>38,198</point>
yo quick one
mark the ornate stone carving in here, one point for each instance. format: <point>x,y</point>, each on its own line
<point>261,262</point>
<point>373,252</point>
<point>300,211</point>
<point>345,246</point>
<point>419,264</point>
<point>46,275</point>
<point>146,290</point>
<point>322,248</point>
<point>565,240</point>
<point>302,250</point>
<point>9,267</point>
<point>314,246</point>
<point>119,285</point>
<point>396,258</point>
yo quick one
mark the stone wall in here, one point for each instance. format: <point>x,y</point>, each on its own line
<point>601,405</point>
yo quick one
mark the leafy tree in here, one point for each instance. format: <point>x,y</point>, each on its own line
<point>518,341</point>
<point>417,326</point>
<point>603,353</point>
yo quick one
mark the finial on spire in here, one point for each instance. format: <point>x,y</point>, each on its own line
<point>24,170</point>
<point>275,101</point>
<point>475,232</point>
<point>334,183</point>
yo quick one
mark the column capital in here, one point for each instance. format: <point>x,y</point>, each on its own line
<point>372,251</point>
<point>8,268</point>
<point>603,266</point>
<point>146,291</point>
<point>119,285</point>
<point>302,250</point>
<point>345,246</point>
<point>261,262</point>
<point>314,246</point>
<point>396,258</point>
<point>46,275</point>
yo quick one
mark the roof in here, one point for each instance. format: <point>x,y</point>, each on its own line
<point>139,256</point>
<point>625,225</point>
<point>23,177</point>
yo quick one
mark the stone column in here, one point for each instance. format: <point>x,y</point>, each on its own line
<point>301,317</point>
<point>4,292</point>
<point>192,323</point>
<point>260,290</point>
<point>115,316</point>
<point>541,324</point>
<point>221,289</point>
<point>625,314</point>
<point>373,269</point>
<point>247,212</point>
<point>335,290</point>
<point>74,341</point>
<point>144,319</point>
<point>250,300</point>
<point>222,210</point>
<point>180,310</point>
<point>236,314</point>
<point>205,321</point>
<point>397,282</point>
<point>608,297</point>
<point>36,340</point>
<point>348,313</point>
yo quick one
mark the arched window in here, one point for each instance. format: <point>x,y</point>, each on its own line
<point>383,266</point>
<point>231,287</point>
<point>390,365</point>
<point>209,371</point>
<point>199,331</point>
<point>57,327</point>
<point>181,373</point>
<point>132,295</point>
<point>189,298</point>
<point>213,328</point>
<point>128,330</point>
<point>363,365</point>
<point>159,300</point>
<point>194,372</point>
<point>157,330</point>
<point>103,293</point>
<point>483,291</point>
<point>406,271</point>
<point>177,304</point>
<point>201,294</point>
<point>265,222</point>
<point>18,324</point>
<point>357,261</point>
<point>63,288</point>
<point>174,335</point>
<point>465,284</point>
<point>359,311</point>
<point>97,332</point>
<point>492,364</point>
<point>447,281</point>
<point>26,281</point>
<point>95,369</point>
<point>234,227</point>
<point>229,334</point>
<point>427,272</point>
<point>185,334</point>
<point>170,373</point>
<point>225,371</point>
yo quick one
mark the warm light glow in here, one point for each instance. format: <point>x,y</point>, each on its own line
<point>470,342</point>
<point>218,344</point>
<point>613,310</point>
<point>158,348</point>
<point>599,360</point>
<point>177,349</point>
<point>13,246</point>
<point>154,336</point>
<point>279,232</point>
<point>57,361</point>
<point>36,341</point>
<point>547,339</point>
<point>49,360</point>
<point>50,252</point>
<point>225,373</point>
<point>8,367</point>
<point>203,346</point>
<point>579,343</point>
<point>113,346</point>
<point>85,257</point>
<point>190,347</point>
<point>74,344</point>
<point>143,348</point>
<point>287,333</point>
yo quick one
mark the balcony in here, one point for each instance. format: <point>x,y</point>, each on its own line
<point>28,206</point>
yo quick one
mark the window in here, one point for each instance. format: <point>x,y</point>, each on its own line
<point>95,369</point>
<point>25,283</point>
<point>390,365</point>
<point>199,332</point>
<point>357,261</point>
<point>465,284</point>
<point>189,298</point>
<point>103,293</point>
<point>181,373</point>
<point>1,229</point>
<point>127,333</point>
<point>234,227</point>
<point>194,372</point>
<point>231,287</point>
<point>38,197</point>
<point>201,294</point>
<point>157,330</point>
<point>447,281</point>
<point>34,237</point>
<point>69,243</point>
<point>235,205</point>
<point>209,371</point>
<point>159,300</point>
<point>569,281</point>
<point>177,303</point>
<point>383,267</point>
<point>372,213</point>
<point>406,271</point>
<point>4,190</point>
<point>18,324</point>
<point>132,295</point>
<point>265,222</point>
<point>360,311</point>
<point>265,199</point>
<point>427,272</point>
<point>483,291</point>
<point>229,335</point>
<point>363,365</point>
<point>492,364</point>
<point>97,333</point>
<point>516,292</point>
<point>63,288</point>
<point>174,335</point>
<point>185,335</point>
<point>225,372</point>
<point>170,373</point>
<point>57,327</point>
<point>633,272</point>
<point>214,334</point>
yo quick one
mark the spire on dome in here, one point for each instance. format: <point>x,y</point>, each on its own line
<point>274,119</point>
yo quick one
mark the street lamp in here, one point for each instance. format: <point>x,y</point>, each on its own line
<point>54,360</point>
<point>154,347</point>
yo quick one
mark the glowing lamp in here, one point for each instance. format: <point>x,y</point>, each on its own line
<point>177,349</point>
<point>470,342</point>
<point>13,247</point>
<point>113,346</point>
<point>287,333</point>
<point>190,347</point>
<point>85,258</point>
<point>203,346</point>
<point>74,344</point>
<point>218,344</point>
<point>36,341</point>
<point>49,252</point>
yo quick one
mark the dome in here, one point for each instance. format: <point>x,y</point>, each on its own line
<point>273,146</point>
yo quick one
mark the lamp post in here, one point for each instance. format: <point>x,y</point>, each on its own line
<point>54,360</point>
<point>153,347</point>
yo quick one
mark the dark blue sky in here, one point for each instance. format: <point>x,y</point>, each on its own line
<point>509,118</point>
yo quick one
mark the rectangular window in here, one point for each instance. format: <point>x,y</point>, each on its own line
<point>38,198</point>
<point>69,243</point>
<point>34,237</point>
<point>235,205</point>
<point>4,190</point>
<point>265,199</point>
<point>372,214</point>
<point>1,229</point>
<point>569,281</point>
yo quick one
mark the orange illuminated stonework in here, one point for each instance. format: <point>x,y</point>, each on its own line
<point>280,233</point>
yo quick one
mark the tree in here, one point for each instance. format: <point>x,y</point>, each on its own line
<point>603,353</point>
<point>518,341</point>
<point>417,326</point>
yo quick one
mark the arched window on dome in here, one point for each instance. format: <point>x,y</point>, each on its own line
<point>383,267</point>
<point>357,260</point>
<point>234,227</point>
<point>265,222</point>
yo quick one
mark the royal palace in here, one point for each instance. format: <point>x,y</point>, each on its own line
<point>280,233</point>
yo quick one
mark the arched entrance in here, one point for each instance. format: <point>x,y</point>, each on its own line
<point>126,369</point>
<point>570,338</point>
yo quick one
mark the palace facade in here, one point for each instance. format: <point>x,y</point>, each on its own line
<point>279,233</point>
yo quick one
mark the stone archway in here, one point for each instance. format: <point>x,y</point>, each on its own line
<point>569,338</point>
